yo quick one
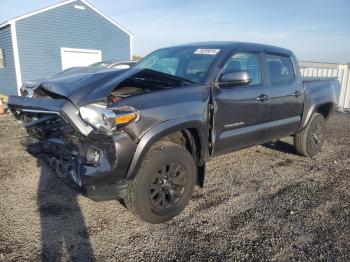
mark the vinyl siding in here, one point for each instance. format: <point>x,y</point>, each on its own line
<point>8,85</point>
<point>40,38</point>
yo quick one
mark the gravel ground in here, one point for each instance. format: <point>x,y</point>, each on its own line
<point>261,203</point>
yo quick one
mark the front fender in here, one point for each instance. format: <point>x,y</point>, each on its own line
<point>165,128</point>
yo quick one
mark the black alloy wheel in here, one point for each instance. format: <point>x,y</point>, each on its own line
<point>168,185</point>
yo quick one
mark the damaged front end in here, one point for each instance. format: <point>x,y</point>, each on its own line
<point>85,128</point>
<point>93,160</point>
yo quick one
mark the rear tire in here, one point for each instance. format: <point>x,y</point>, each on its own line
<point>309,141</point>
<point>164,183</point>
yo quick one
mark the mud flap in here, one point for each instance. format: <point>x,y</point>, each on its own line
<point>200,175</point>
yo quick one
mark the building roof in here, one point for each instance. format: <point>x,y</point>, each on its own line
<point>9,22</point>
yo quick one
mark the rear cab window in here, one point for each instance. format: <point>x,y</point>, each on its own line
<point>280,69</point>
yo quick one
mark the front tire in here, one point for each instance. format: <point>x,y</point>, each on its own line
<point>164,183</point>
<point>309,141</point>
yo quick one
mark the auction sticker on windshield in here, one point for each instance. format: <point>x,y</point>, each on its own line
<point>206,51</point>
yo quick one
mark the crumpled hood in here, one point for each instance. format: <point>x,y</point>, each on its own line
<point>85,88</point>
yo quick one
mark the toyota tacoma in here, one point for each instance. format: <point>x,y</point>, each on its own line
<point>143,135</point>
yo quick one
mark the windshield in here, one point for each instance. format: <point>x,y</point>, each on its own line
<point>191,63</point>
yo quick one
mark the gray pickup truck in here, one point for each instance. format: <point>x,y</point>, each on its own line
<point>144,135</point>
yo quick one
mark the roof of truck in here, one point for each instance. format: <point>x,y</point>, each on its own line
<point>234,45</point>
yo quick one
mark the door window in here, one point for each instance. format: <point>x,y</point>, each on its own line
<point>245,61</point>
<point>281,70</point>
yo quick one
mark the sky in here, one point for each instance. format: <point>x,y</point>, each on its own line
<point>316,30</point>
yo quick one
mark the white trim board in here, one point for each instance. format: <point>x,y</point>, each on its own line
<point>16,57</point>
<point>131,50</point>
<point>82,50</point>
<point>65,3</point>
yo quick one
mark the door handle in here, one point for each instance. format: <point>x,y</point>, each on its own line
<point>297,93</point>
<point>262,98</point>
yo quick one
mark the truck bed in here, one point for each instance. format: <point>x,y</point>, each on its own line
<point>319,91</point>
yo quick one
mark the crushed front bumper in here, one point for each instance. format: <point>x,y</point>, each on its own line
<point>93,163</point>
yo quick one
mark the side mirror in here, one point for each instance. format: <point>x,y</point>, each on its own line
<point>240,78</point>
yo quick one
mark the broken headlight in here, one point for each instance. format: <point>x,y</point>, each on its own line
<point>108,119</point>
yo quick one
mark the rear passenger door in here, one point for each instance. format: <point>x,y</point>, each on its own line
<point>285,91</point>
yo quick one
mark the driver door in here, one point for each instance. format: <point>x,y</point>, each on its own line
<point>240,112</point>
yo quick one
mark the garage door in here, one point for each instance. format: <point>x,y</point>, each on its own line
<point>72,57</point>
